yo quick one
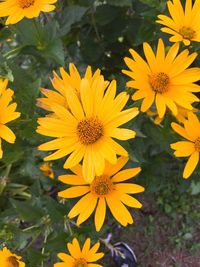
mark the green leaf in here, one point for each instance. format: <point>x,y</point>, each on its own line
<point>54,51</point>
<point>12,153</point>
<point>120,3</point>
<point>55,210</point>
<point>71,15</point>
<point>27,90</point>
<point>5,71</point>
<point>195,188</point>
<point>27,210</point>
<point>44,38</point>
<point>105,14</point>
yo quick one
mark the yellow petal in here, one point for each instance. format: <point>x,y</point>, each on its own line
<point>88,166</point>
<point>86,98</point>
<point>125,174</point>
<point>74,249</point>
<point>75,105</point>
<point>160,104</point>
<point>75,191</point>
<point>118,210</point>
<point>180,130</point>
<point>191,165</point>
<point>100,214</point>
<point>7,134</point>
<point>72,179</point>
<point>86,213</point>
<point>183,148</point>
<point>111,169</point>
<point>75,157</point>
<point>123,134</point>
<point>86,247</point>
<point>150,56</point>
<point>80,205</point>
<point>148,102</point>
<point>130,201</point>
<point>129,188</point>
<point>1,151</point>
<point>66,258</point>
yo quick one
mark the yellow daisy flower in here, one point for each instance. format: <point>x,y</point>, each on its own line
<point>163,79</point>
<point>63,84</point>
<point>47,170</point>
<point>87,129</point>
<point>7,114</point>
<point>9,259</point>
<point>105,189</point>
<point>78,257</point>
<point>183,24</point>
<point>191,147</point>
<point>16,10</point>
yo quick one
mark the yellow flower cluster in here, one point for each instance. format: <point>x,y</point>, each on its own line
<point>164,80</point>
<point>85,118</point>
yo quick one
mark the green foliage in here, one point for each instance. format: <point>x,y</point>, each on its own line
<point>98,33</point>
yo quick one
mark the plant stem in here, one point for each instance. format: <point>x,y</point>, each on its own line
<point>45,241</point>
<point>7,170</point>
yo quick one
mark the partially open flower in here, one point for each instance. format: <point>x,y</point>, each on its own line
<point>78,257</point>
<point>9,259</point>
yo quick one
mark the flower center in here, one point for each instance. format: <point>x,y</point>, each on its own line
<point>187,33</point>
<point>89,131</point>
<point>101,185</point>
<point>197,144</point>
<point>159,82</point>
<point>80,263</point>
<point>26,3</point>
<point>12,262</point>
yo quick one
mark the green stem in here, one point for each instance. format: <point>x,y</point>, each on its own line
<point>43,249</point>
<point>69,227</point>
<point>95,26</point>
<point>36,28</point>
<point>7,170</point>
<point>14,51</point>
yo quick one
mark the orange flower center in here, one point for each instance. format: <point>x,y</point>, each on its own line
<point>26,3</point>
<point>12,262</point>
<point>80,263</point>
<point>159,82</point>
<point>197,144</point>
<point>89,131</point>
<point>101,185</point>
<point>187,33</point>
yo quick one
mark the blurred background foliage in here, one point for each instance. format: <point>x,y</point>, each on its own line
<point>32,219</point>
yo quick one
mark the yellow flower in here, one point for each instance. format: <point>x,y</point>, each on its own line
<point>62,86</point>
<point>78,257</point>
<point>87,129</point>
<point>16,10</point>
<point>190,148</point>
<point>9,259</point>
<point>105,189</point>
<point>7,114</point>
<point>183,24</point>
<point>47,170</point>
<point>163,79</point>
